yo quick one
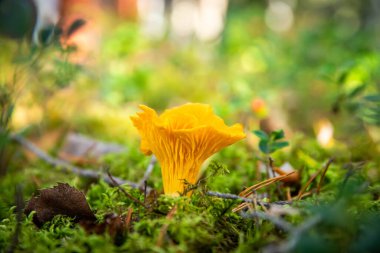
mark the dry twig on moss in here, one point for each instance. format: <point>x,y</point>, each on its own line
<point>323,174</point>
<point>127,194</point>
<point>313,177</point>
<point>148,171</point>
<point>67,167</point>
<point>165,227</point>
<point>262,184</point>
<point>89,173</point>
<point>281,223</point>
<point>294,237</point>
<point>295,232</point>
<point>248,200</point>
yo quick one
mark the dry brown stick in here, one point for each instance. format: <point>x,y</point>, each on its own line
<point>268,181</point>
<point>295,236</point>
<point>263,207</point>
<point>89,173</point>
<point>308,193</point>
<point>271,165</point>
<point>255,200</point>
<point>129,219</point>
<point>323,174</point>
<point>237,197</point>
<point>257,186</point>
<point>67,167</point>
<point>281,223</point>
<point>240,207</point>
<point>288,194</point>
<point>248,204</point>
<point>313,177</point>
<point>127,194</point>
<point>300,194</point>
<point>262,184</point>
<point>165,227</point>
<point>255,208</point>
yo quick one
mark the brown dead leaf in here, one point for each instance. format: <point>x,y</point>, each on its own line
<point>66,200</point>
<point>115,225</point>
<point>285,169</point>
<point>59,200</point>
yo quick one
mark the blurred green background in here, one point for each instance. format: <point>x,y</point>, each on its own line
<point>307,61</point>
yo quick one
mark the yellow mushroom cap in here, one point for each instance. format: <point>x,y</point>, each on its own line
<point>182,138</point>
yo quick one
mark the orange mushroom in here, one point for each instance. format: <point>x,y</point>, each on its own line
<point>182,138</point>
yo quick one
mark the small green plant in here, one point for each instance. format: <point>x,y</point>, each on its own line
<point>214,169</point>
<point>272,142</point>
<point>370,109</point>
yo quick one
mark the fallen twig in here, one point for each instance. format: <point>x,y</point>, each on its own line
<point>308,193</point>
<point>323,174</point>
<point>233,196</point>
<point>262,184</point>
<point>313,177</point>
<point>89,173</point>
<point>311,222</point>
<point>295,236</point>
<point>295,232</point>
<point>128,220</point>
<point>255,187</point>
<point>271,166</point>
<point>127,194</point>
<point>165,227</point>
<point>67,167</point>
<point>281,223</point>
<point>148,171</point>
<point>301,192</point>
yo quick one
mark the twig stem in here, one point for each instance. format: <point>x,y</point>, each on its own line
<point>124,191</point>
<point>67,167</point>
<point>88,173</point>
<point>148,171</point>
<point>233,196</point>
<point>284,225</point>
<point>323,174</point>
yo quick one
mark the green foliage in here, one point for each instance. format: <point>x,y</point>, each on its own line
<point>359,88</point>
<point>370,109</point>
<point>272,142</point>
<point>216,169</point>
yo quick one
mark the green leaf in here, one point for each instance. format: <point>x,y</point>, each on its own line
<point>9,113</point>
<point>261,134</point>
<point>372,117</point>
<point>277,135</point>
<point>356,91</point>
<point>342,77</point>
<point>264,147</point>
<point>372,98</point>
<point>278,145</point>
